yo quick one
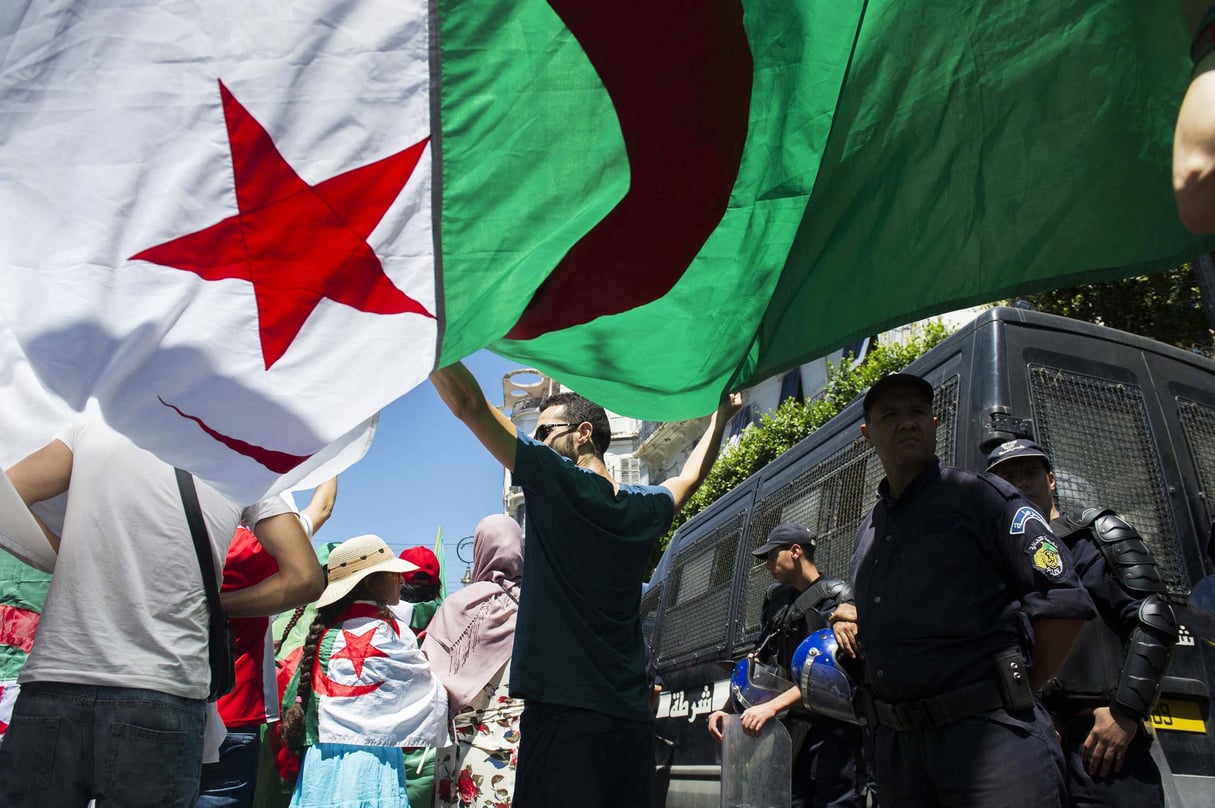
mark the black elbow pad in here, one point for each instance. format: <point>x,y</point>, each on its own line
<point>1147,657</point>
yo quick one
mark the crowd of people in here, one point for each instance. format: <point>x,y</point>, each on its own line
<point>526,686</point>
<point>967,594</point>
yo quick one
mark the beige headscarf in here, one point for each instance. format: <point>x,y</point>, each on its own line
<point>473,631</point>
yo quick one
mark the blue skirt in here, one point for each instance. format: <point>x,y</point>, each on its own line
<point>335,775</point>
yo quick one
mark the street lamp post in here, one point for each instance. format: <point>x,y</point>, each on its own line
<point>464,553</point>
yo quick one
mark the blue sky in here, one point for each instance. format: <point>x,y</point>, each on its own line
<point>424,469</point>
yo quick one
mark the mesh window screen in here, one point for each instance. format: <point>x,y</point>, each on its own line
<point>831,498</point>
<point>1198,422</point>
<point>696,602</point>
<point>649,612</point>
<point>1097,433</point>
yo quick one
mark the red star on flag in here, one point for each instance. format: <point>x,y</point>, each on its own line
<point>358,649</point>
<point>296,243</point>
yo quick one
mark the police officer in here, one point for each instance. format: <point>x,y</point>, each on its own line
<point>1105,691</point>
<point>950,570</point>
<point>824,757</point>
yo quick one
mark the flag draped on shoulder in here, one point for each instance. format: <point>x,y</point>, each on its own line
<point>371,686</point>
<point>243,228</point>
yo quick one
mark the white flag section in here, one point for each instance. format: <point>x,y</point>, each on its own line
<point>377,689</point>
<point>215,221</point>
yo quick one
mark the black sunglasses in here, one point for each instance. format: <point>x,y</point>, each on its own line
<point>544,430</point>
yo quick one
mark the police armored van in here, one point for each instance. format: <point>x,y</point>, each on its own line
<point>1130,425</point>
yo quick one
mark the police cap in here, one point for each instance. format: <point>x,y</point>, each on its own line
<point>1017,448</point>
<point>897,380</point>
<point>785,535</point>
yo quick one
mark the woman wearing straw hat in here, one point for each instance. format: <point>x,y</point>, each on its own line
<point>363,689</point>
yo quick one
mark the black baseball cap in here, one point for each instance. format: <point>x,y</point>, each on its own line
<point>896,380</point>
<point>785,535</point>
<point>1016,448</point>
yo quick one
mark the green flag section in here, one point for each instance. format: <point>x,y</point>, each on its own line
<point>441,555</point>
<point>653,208</point>
<point>22,596</point>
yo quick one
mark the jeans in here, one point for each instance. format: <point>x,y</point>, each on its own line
<point>231,781</point>
<point>68,743</point>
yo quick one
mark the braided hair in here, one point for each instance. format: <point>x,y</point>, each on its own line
<point>292,726</point>
<point>295,618</point>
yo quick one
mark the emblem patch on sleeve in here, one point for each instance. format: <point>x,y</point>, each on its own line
<point>1045,555</point>
<point>1023,517</point>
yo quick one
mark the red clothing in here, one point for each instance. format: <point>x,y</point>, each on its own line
<point>254,700</point>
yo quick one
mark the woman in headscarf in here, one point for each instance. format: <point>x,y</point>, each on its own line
<point>363,689</point>
<point>469,644</point>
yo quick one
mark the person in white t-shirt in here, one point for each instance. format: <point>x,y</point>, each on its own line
<point>113,695</point>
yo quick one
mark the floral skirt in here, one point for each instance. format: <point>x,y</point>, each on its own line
<point>478,771</point>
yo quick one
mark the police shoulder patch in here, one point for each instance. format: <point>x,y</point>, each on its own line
<point>1044,555</point>
<point>1023,517</point>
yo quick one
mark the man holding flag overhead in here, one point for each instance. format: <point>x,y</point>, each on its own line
<point>579,659</point>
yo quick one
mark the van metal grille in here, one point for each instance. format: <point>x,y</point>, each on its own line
<point>696,596</point>
<point>1100,441</point>
<point>649,612</point>
<point>1198,422</point>
<point>831,499</point>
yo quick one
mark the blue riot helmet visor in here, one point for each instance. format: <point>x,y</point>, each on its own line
<point>826,687</point>
<point>754,683</point>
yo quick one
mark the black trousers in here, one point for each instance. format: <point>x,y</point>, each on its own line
<point>992,760</point>
<point>1136,786</point>
<point>825,764</point>
<point>570,756</point>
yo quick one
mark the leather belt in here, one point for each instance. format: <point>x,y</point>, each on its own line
<point>939,711</point>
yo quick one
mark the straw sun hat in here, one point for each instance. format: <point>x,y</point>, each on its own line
<point>355,559</point>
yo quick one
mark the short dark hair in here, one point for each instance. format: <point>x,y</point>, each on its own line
<point>578,409</point>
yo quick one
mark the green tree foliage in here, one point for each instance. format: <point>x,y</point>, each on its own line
<point>1165,307</point>
<point>793,420</point>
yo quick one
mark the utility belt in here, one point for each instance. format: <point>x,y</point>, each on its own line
<point>1009,688</point>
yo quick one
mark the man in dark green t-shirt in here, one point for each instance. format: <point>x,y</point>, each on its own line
<point>579,662</point>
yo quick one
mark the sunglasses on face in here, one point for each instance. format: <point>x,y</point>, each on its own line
<point>544,430</point>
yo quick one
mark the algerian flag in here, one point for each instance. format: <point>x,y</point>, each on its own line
<point>217,222</point>
<point>889,160</point>
<point>243,228</point>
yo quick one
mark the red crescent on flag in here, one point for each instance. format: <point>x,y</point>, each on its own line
<point>278,462</point>
<point>357,649</point>
<point>325,686</point>
<point>680,81</point>
<point>17,628</point>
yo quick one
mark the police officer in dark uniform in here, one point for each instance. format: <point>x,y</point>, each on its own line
<point>1104,693</point>
<point>824,750</point>
<point>952,570</point>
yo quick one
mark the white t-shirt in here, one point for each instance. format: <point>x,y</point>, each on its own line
<point>126,605</point>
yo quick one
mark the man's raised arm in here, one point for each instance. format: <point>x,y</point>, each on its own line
<point>705,453</point>
<point>463,396</point>
<point>320,507</point>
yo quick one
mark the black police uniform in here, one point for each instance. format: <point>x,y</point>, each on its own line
<point>1119,659</point>
<point>947,579</point>
<point>825,750</point>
